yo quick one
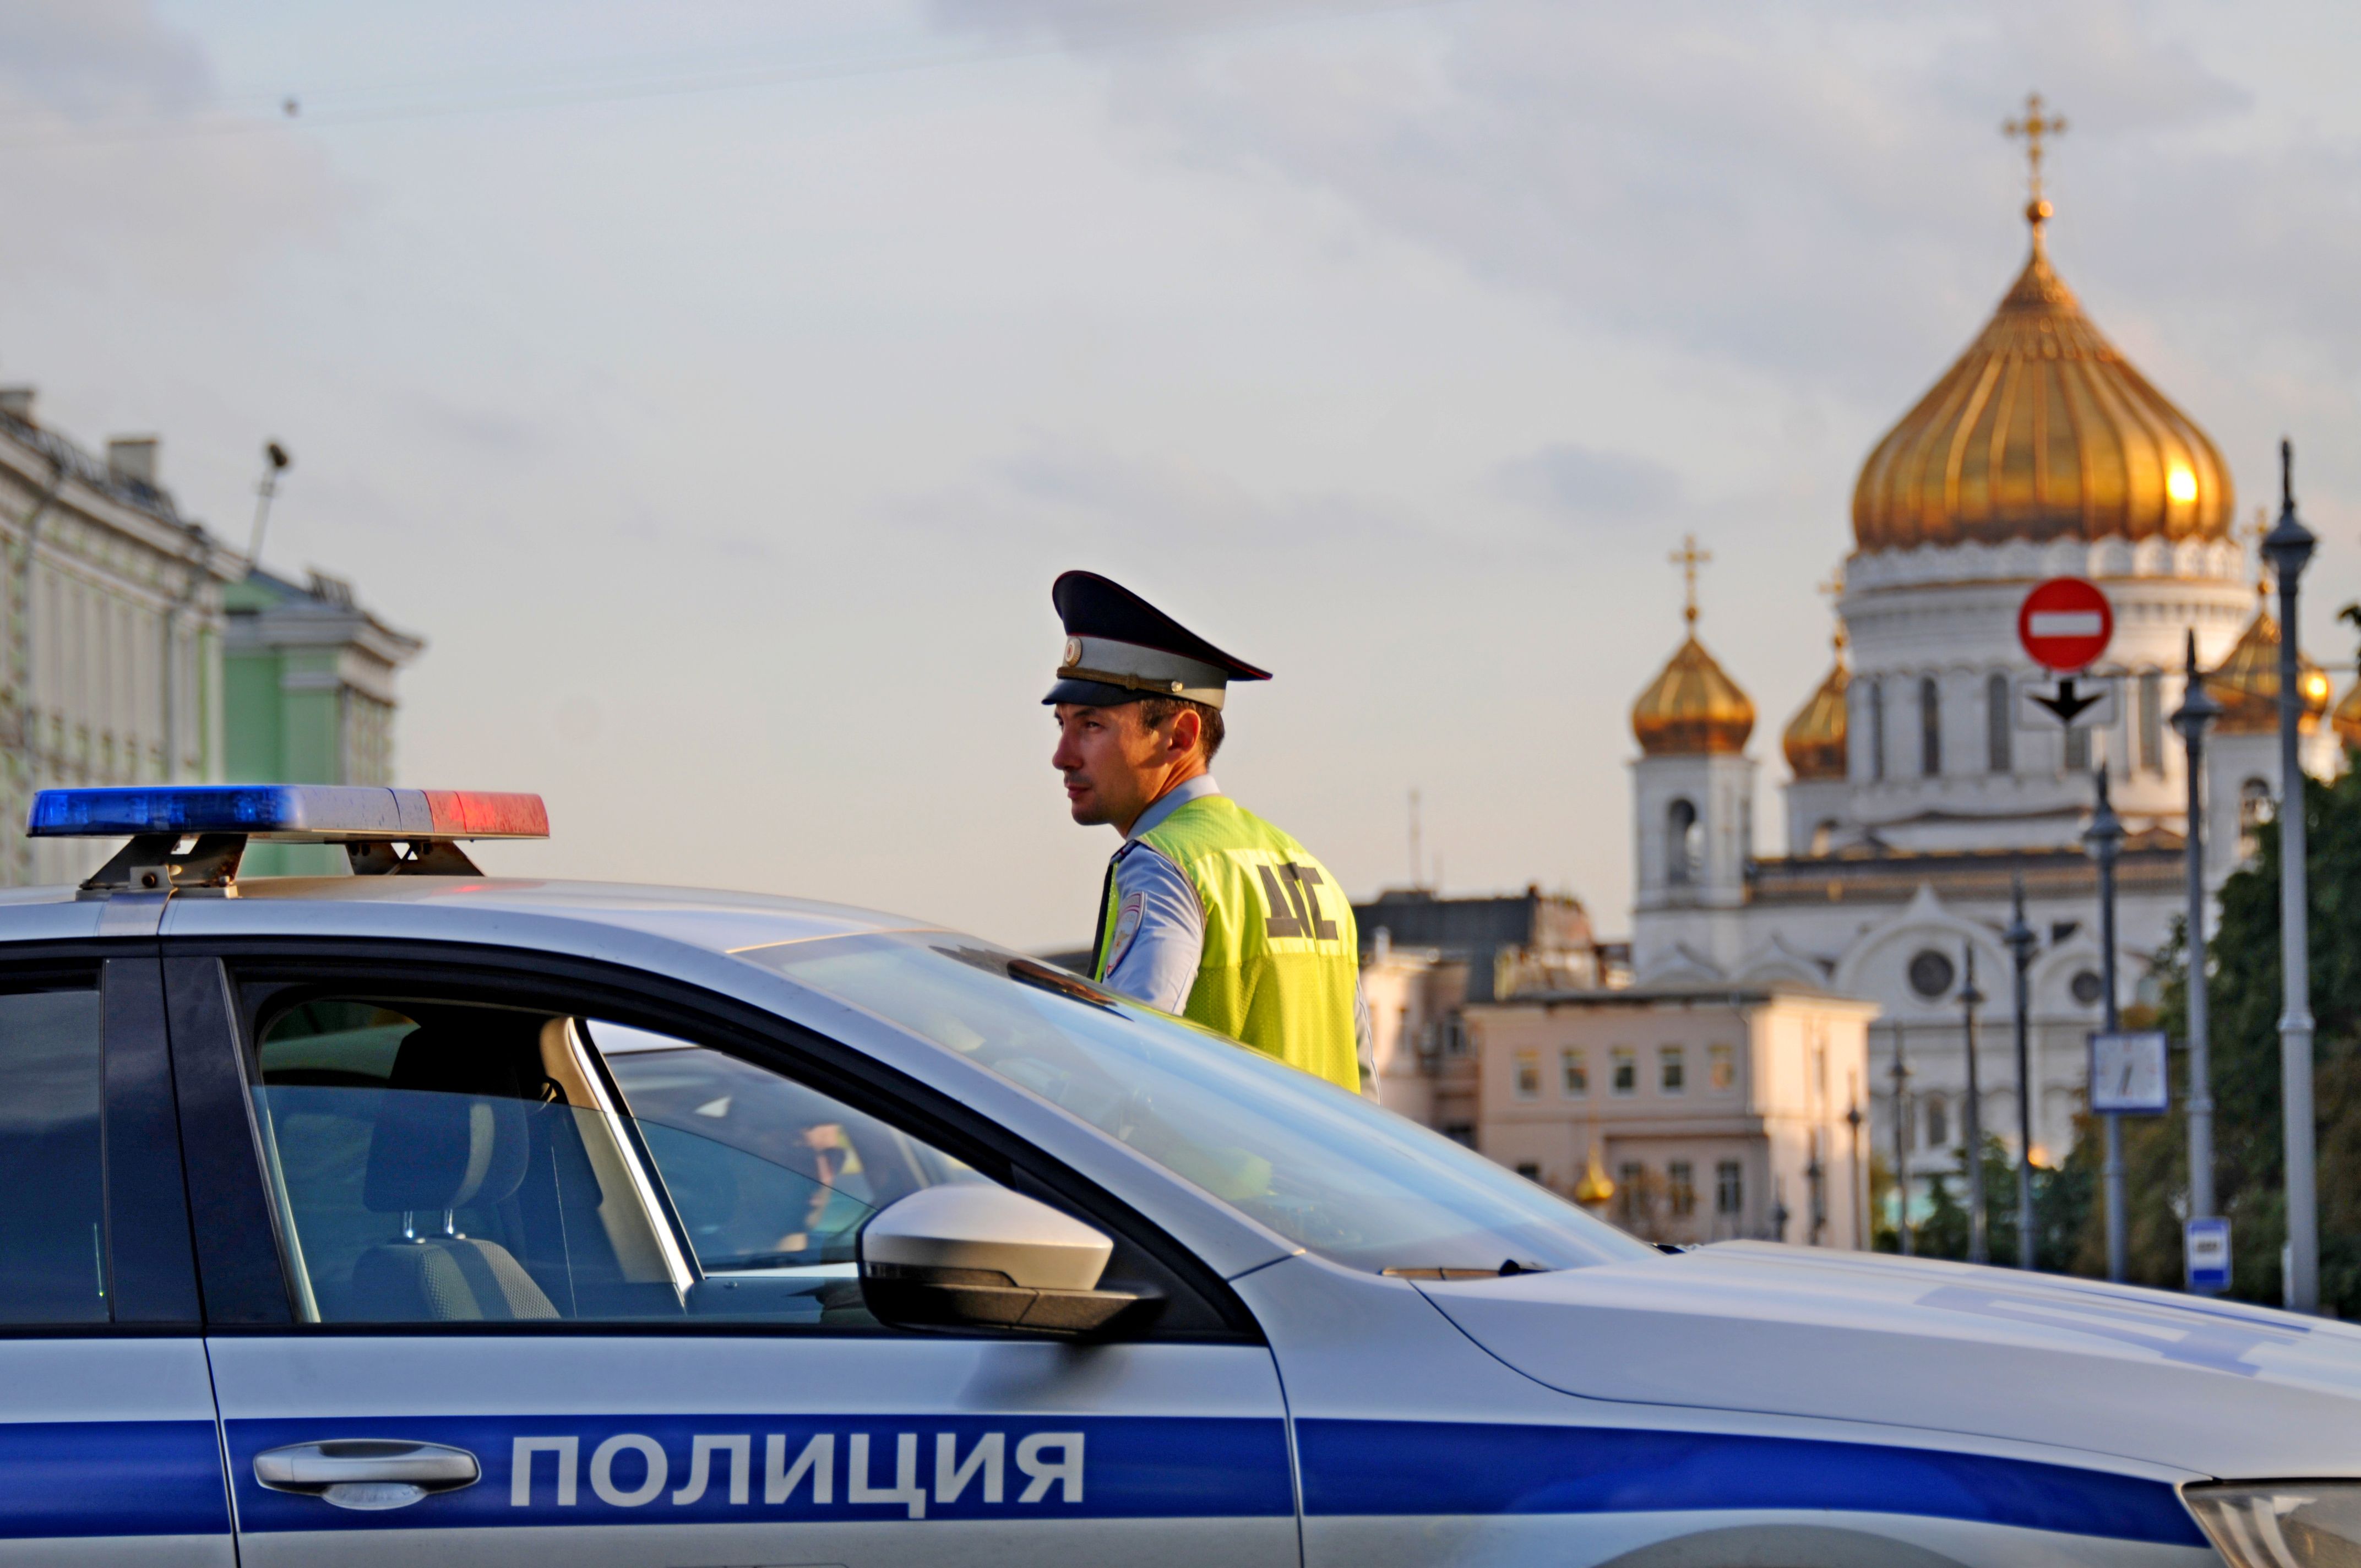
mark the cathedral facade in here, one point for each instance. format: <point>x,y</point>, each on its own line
<point>1917,799</point>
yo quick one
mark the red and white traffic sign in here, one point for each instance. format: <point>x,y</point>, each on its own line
<point>2065,624</point>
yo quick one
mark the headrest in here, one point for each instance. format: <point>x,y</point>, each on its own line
<point>452,1125</point>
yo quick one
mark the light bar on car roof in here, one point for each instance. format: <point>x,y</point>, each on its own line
<point>317,814</point>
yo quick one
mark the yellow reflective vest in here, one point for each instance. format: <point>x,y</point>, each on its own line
<point>1281,958</point>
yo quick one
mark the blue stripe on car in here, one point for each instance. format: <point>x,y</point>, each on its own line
<point>1426,1467</point>
<point>85,1478</point>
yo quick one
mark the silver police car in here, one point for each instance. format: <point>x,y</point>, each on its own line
<point>415,1216</point>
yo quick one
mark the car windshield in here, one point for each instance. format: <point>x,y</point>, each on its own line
<point>1326,1169</point>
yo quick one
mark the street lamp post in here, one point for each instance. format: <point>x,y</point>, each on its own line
<point>1901,1145</point>
<point>2289,547</point>
<point>1971,1122</point>
<point>2197,710</point>
<point>2021,940</point>
<point>2105,838</point>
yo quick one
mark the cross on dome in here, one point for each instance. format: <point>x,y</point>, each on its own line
<point>1688,558</point>
<point>2035,128</point>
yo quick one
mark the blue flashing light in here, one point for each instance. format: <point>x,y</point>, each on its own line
<point>315,813</point>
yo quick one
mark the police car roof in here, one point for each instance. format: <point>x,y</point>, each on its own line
<point>585,917</point>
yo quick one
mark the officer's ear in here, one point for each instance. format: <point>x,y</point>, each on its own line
<point>1185,729</point>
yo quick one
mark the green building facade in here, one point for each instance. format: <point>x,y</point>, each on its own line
<point>308,697</point>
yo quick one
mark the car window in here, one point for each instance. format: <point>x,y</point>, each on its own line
<point>435,1162</point>
<point>52,1227</point>
<point>1323,1167</point>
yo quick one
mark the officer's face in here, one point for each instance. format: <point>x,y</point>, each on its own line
<point>1115,766</point>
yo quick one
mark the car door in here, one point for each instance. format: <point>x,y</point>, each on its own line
<point>565,1276</point>
<point>108,1453</point>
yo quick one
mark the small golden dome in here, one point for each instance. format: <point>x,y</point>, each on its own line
<point>2040,431</point>
<point>1692,707</point>
<point>2246,684</point>
<point>1814,738</point>
<point>2346,719</point>
<point>1594,1188</point>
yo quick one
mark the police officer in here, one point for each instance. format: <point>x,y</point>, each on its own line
<point>1207,910</point>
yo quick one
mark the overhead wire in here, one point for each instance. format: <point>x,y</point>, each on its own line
<point>295,113</point>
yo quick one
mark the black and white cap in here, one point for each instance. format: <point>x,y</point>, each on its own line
<point>1120,648</point>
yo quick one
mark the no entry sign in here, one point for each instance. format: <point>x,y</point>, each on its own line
<point>2065,624</point>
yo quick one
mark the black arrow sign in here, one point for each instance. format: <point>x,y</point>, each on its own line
<point>2067,703</point>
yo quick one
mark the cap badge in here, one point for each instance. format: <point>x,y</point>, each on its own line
<point>1073,651</point>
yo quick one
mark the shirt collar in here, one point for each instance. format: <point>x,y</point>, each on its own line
<point>1173,800</point>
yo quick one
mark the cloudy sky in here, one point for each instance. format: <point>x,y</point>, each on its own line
<point>718,385</point>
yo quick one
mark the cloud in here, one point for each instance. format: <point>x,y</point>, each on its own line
<point>1076,489</point>
<point>1814,193</point>
<point>123,161</point>
<point>1585,485</point>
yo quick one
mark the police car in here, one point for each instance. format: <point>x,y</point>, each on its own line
<point>417,1216</point>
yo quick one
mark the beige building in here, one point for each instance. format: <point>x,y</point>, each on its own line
<point>1715,1111</point>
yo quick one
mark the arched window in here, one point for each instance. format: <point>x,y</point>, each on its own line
<point>1999,725</point>
<point>2254,815</point>
<point>2151,721</point>
<point>1877,729</point>
<point>2078,750</point>
<point>1939,1122</point>
<point>1930,727</point>
<point>1683,842</point>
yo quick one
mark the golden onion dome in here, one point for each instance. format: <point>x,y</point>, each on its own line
<point>2040,431</point>
<point>1692,707</point>
<point>1815,738</point>
<point>1594,1189</point>
<point>2246,684</point>
<point>2346,719</point>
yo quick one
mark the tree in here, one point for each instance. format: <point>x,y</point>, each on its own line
<point>2248,1148</point>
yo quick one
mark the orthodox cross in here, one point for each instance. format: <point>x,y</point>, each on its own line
<point>2035,127</point>
<point>2258,531</point>
<point>1688,558</point>
<point>1834,588</point>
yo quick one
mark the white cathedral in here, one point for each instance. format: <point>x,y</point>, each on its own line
<point>1915,798</point>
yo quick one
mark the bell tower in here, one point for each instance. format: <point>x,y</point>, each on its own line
<point>1693,794</point>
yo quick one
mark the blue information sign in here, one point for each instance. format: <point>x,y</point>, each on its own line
<point>2208,1245</point>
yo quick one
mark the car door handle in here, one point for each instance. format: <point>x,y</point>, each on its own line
<point>367,1471</point>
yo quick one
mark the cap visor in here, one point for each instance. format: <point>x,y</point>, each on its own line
<point>1090,694</point>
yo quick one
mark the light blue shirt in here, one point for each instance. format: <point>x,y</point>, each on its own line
<point>1159,924</point>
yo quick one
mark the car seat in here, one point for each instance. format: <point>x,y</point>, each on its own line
<point>452,1130</point>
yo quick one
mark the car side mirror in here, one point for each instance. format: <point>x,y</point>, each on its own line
<point>969,1255</point>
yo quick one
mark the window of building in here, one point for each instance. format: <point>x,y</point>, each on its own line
<point>1680,1187</point>
<point>1683,842</point>
<point>1460,1133</point>
<point>1930,726</point>
<point>1877,729</point>
<point>1625,1078</point>
<point>1573,1074</point>
<point>2078,750</point>
<point>2254,815</point>
<point>1529,1075</point>
<point>1824,836</point>
<point>2086,987</point>
<point>1999,726</point>
<point>1454,1036</point>
<point>1531,1170</point>
<point>1939,1122</point>
<point>1672,1070</point>
<point>1721,1066</point>
<point>1728,1188</point>
<point>1931,972</point>
<point>2150,706</point>
<point>1630,1194</point>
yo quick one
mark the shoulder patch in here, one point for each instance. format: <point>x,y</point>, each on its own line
<point>1127,920</point>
